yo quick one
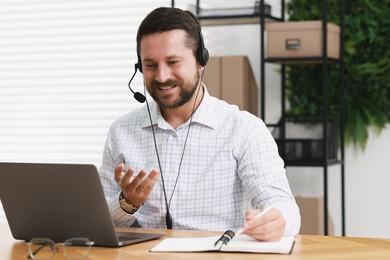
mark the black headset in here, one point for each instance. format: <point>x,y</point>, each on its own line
<point>202,54</point>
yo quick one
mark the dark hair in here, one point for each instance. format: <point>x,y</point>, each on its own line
<point>165,19</point>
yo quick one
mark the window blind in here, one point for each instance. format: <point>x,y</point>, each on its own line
<point>64,68</point>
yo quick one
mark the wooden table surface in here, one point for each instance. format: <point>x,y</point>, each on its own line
<point>306,247</point>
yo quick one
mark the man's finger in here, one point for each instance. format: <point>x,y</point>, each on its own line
<point>127,178</point>
<point>118,170</point>
<point>148,183</point>
<point>251,213</point>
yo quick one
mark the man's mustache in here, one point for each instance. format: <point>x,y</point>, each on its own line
<point>167,83</point>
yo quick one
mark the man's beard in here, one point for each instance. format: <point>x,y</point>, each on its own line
<point>184,95</point>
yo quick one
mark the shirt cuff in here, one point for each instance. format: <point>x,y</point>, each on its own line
<point>118,215</point>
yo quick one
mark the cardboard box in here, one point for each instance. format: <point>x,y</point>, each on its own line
<point>231,78</point>
<point>301,40</point>
<point>312,216</point>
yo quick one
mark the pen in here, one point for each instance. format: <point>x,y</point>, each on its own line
<point>258,215</point>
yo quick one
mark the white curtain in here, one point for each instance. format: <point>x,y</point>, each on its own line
<point>64,68</point>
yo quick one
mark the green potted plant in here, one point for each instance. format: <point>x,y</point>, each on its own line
<point>367,68</point>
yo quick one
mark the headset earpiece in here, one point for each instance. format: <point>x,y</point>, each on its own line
<point>139,63</point>
<point>202,53</point>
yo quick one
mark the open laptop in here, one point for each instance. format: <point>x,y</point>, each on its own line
<point>59,201</point>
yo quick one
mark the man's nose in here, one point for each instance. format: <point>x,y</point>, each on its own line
<point>163,73</point>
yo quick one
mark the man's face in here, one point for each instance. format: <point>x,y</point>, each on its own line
<point>169,67</point>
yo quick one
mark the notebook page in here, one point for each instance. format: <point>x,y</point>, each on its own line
<point>243,243</point>
<point>196,244</point>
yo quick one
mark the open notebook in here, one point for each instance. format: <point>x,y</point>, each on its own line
<point>228,242</point>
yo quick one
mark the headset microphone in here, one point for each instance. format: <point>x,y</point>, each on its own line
<point>138,96</point>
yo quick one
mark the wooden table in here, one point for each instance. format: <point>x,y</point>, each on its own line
<point>306,247</point>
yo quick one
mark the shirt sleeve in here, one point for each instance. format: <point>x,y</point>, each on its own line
<point>263,175</point>
<point>111,189</point>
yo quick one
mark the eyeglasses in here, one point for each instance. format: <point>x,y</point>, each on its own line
<point>77,248</point>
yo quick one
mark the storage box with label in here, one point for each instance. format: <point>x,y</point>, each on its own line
<point>231,78</point>
<point>286,40</point>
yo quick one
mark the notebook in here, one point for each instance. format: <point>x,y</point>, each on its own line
<point>228,242</point>
<point>59,201</point>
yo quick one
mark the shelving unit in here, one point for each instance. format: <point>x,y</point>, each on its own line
<point>261,17</point>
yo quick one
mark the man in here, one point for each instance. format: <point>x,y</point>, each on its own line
<point>188,160</point>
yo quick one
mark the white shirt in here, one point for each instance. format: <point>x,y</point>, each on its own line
<point>230,164</point>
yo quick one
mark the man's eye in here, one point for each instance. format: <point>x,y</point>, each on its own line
<point>173,62</point>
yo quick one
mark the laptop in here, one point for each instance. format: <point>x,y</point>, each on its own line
<point>59,201</point>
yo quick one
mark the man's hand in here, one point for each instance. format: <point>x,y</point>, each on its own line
<point>268,227</point>
<point>135,189</point>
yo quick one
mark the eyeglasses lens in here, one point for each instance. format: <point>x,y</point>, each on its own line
<point>77,248</point>
<point>42,249</point>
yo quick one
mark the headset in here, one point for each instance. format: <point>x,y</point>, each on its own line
<point>202,55</point>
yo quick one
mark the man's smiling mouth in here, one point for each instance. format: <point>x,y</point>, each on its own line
<point>166,87</point>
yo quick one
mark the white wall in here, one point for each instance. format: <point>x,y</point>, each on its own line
<point>368,192</point>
